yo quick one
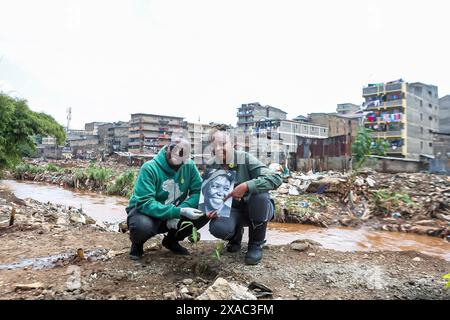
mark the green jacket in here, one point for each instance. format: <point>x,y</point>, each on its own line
<point>249,169</point>
<point>160,191</point>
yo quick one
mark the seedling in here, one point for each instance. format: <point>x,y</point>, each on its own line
<point>447,277</point>
<point>218,250</point>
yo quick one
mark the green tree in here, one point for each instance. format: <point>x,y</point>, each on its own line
<point>365,145</point>
<point>17,126</point>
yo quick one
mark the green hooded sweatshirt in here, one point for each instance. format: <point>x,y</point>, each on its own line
<point>160,191</point>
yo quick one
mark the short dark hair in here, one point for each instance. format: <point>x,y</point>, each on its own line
<point>216,128</point>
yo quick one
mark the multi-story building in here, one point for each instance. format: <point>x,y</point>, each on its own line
<point>347,108</point>
<point>338,124</point>
<point>403,114</point>
<point>92,127</point>
<point>249,114</point>
<point>444,114</point>
<point>198,135</point>
<point>148,133</point>
<point>441,139</point>
<point>117,137</point>
<point>86,147</point>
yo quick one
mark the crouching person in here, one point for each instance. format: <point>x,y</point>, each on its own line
<point>252,205</point>
<point>166,193</point>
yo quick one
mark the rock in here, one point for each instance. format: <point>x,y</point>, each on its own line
<point>293,191</point>
<point>311,254</point>
<point>299,246</point>
<point>74,281</point>
<point>184,290</point>
<point>309,241</point>
<point>221,289</point>
<point>417,259</point>
<point>153,246</point>
<point>283,190</point>
<point>188,281</point>
<point>370,182</point>
<point>30,286</point>
<point>170,295</point>
<point>75,217</point>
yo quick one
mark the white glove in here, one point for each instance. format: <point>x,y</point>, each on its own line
<point>191,213</point>
<point>172,223</point>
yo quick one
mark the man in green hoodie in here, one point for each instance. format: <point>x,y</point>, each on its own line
<point>252,205</point>
<point>167,190</point>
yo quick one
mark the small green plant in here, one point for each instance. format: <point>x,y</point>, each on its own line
<point>194,234</point>
<point>390,200</point>
<point>218,250</point>
<point>52,167</point>
<point>447,285</point>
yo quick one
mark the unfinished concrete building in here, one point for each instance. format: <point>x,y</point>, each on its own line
<point>198,135</point>
<point>441,139</point>
<point>249,114</point>
<point>347,108</point>
<point>337,124</point>
<point>403,114</point>
<point>148,133</point>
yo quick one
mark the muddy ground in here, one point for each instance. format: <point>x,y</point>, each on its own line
<point>107,273</point>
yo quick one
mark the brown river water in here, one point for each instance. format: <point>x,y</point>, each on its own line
<point>112,209</point>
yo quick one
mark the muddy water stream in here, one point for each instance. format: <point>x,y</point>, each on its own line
<point>112,209</point>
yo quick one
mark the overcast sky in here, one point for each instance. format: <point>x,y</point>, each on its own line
<point>107,59</point>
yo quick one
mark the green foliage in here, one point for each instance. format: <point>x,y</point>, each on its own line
<point>99,175</point>
<point>365,145</point>
<point>391,201</point>
<point>124,184</point>
<point>52,168</point>
<point>17,126</point>
<point>27,151</point>
<point>447,285</point>
<point>218,250</point>
<point>194,234</point>
<point>22,168</point>
<point>79,175</point>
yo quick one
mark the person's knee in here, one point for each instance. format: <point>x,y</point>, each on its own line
<point>260,207</point>
<point>221,230</point>
<point>141,228</point>
<point>260,198</point>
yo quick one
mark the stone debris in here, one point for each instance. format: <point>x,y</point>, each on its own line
<point>222,289</point>
<point>405,202</point>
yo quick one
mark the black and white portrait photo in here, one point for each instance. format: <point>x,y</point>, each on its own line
<point>217,184</point>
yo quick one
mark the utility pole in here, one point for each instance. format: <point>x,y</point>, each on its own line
<point>69,117</point>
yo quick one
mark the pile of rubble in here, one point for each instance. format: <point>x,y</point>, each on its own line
<point>418,203</point>
<point>32,214</point>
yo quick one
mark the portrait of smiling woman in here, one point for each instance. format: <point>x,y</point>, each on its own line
<point>217,184</point>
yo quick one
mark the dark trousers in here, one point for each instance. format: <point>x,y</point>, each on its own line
<point>255,213</point>
<point>142,227</point>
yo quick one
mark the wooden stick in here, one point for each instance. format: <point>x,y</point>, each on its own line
<point>12,217</point>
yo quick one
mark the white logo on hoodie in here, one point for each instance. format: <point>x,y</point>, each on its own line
<point>173,189</point>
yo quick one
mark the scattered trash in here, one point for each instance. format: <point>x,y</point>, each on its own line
<point>303,204</point>
<point>396,215</point>
<point>260,290</point>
